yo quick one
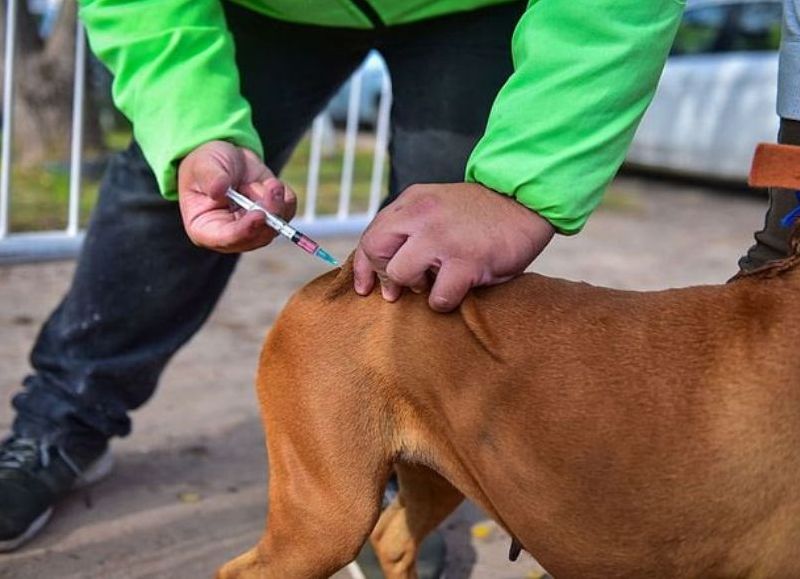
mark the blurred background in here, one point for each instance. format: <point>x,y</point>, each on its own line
<point>189,488</point>
<point>716,100</point>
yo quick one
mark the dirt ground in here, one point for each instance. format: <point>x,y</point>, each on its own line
<point>188,490</point>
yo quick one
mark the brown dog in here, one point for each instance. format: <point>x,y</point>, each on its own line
<point>613,433</point>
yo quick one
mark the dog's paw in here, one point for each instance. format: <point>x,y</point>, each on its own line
<point>246,566</point>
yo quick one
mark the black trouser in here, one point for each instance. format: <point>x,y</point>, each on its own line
<point>141,289</point>
<point>772,242</point>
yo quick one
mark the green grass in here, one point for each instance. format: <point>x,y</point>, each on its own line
<point>40,198</point>
<point>40,195</point>
<point>330,174</point>
<point>621,200</point>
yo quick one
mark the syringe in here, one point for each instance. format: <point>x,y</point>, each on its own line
<point>301,240</point>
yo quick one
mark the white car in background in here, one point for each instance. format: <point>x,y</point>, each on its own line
<point>716,99</point>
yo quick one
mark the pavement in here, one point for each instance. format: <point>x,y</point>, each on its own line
<point>189,488</point>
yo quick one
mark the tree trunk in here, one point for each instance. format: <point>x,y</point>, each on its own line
<point>43,89</point>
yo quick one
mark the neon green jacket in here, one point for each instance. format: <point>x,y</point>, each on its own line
<point>584,73</point>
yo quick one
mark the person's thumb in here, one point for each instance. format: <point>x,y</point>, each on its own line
<point>274,196</point>
<point>212,168</point>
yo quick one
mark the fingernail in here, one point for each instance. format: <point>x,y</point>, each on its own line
<point>278,193</point>
<point>387,295</point>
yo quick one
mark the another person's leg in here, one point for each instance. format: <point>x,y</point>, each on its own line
<point>141,289</point>
<point>446,73</point>
<point>772,242</point>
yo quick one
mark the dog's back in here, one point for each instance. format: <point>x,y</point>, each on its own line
<point>615,434</point>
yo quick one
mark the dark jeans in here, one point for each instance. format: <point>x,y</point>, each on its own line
<point>141,289</point>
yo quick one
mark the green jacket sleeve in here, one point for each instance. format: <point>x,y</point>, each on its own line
<point>584,73</point>
<point>175,76</point>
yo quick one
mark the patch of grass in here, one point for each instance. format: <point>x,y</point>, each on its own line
<point>619,200</point>
<point>40,198</point>
<point>40,195</point>
<point>330,173</point>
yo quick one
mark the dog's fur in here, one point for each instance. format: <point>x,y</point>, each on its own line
<point>613,433</point>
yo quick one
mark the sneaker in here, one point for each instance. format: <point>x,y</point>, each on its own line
<point>34,476</point>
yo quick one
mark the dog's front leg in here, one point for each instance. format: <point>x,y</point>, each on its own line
<point>317,521</point>
<point>328,467</point>
<point>425,499</point>
<point>246,565</point>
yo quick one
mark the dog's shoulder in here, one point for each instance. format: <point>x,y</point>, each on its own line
<point>340,282</point>
<point>329,286</point>
<point>332,285</point>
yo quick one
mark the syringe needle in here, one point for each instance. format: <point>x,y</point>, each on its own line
<point>300,239</point>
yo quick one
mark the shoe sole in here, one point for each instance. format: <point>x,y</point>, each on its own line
<point>30,533</point>
<point>96,472</point>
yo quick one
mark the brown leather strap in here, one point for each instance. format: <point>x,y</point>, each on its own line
<point>776,166</point>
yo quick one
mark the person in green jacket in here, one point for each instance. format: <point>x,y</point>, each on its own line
<point>509,119</point>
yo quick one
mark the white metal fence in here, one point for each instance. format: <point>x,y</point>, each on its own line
<point>31,246</point>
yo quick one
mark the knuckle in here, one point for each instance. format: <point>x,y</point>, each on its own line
<point>359,259</point>
<point>274,187</point>
<point>414,191</point>
<point>369,244</point>
<point>398,275</point>
<point>249,155</point>
<point>424,206</point>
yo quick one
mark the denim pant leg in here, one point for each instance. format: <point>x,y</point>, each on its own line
<point>141,289</point>
<point>446,73</point>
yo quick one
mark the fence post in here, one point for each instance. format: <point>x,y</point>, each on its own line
<point>8,115</point>
<point>76,142</point>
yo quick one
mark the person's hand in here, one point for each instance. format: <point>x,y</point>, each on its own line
<point>462,235</point>
<point>204,176</point>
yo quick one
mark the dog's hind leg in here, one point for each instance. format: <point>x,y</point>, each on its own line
<point>424,500</point>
